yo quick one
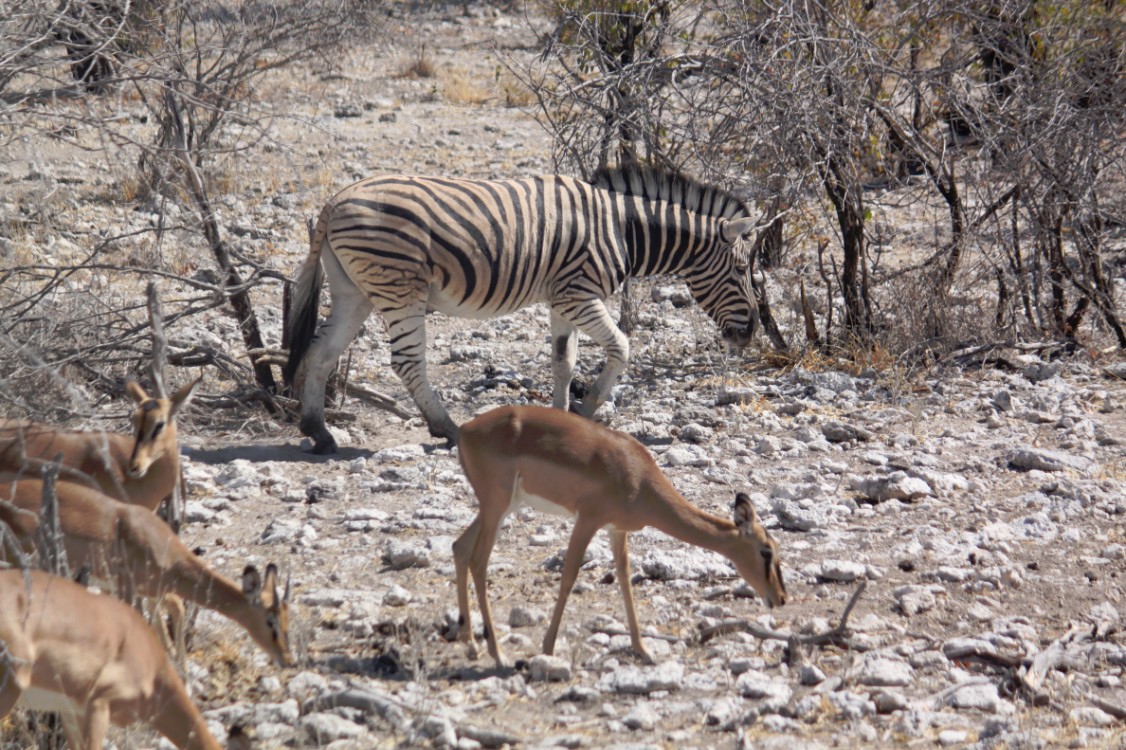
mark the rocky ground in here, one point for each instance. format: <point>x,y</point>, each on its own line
<point>981,507</point>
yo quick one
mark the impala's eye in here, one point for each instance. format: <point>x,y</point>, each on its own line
<point>156,430</point>
<point>767,554</point>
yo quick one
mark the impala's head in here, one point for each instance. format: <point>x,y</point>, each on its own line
<point>758,560</point>
<point>270,627</point>
<point>154,425</point>
<point>721,285</point>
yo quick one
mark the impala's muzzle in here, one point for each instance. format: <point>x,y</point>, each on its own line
<point>137,469</point>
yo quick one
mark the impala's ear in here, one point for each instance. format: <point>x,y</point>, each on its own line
<point>251,583</point>
<point>183,396</point>
<point>736,228</point>
<point>136,392</point>
<point>270,587</point>
<point>745,515</point>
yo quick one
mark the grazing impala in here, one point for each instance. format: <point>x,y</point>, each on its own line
<point>562,463</point>
<point>138,552</point>
<point>90,658</point>
<point>143,470</point>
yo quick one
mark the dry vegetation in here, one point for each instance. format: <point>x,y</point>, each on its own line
<point>851,148</point>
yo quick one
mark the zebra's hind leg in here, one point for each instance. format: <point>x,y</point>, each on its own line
<point>350,308</point>
<point>592,318</point>
<point>406,328</point>
<point>564,353</point>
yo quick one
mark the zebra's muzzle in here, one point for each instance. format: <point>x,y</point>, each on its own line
<point>738,336</point>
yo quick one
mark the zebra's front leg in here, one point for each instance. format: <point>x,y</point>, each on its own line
<point>407,330</point>
<point>592,318</point>
<point>564,352</point>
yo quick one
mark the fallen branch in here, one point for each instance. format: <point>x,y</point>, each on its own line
<point>655,636</point>
<point>940,697</point>
<point>1031,675</point>
<point>1115,710</point>
<point>985,654</point>
<point>377,399</point>
<point>837,635</point>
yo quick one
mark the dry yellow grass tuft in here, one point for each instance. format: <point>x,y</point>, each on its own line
<point>418,65</point>
<point>458,87</point>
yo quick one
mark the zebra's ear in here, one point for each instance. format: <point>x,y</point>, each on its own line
<point>736,228</point>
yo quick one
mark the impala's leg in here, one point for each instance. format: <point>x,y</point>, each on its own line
<point>75,736</point>
<point>406,328</point>
<point>592,318</point>
<point>564,353</point>
<point>96,723</point>
<point>479,567</point>
<point>350,308</point>
<point>619,545</point>
<point>463,551</point>
<point>583,532</point>
<point>13,680</point>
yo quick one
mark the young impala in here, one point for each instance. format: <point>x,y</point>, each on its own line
<point>92,659</point>
<point>140,470</point>
<point>562,463</point>
<point>137,551</point>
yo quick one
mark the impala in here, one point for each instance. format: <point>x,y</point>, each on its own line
<point>90,658</point>
<point>143,470</point>
<point>565,464</point>
<point>139,553</point>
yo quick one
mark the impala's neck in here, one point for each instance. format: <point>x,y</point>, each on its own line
<point>162,476</point>
<point>669,512</point>
<point>192,580</point>
<point>178,719</point>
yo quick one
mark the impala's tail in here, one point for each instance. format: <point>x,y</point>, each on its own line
<point>301,323</point>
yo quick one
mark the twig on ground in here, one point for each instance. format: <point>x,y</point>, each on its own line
<point>837,635</point>
<point>1031,674</point>
<point>377,399</point>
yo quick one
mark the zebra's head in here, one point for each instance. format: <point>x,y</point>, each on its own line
<point>721,285</point>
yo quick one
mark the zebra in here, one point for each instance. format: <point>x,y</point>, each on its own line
<point>406,245</point>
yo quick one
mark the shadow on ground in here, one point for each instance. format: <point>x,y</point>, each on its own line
<point>261,452</point>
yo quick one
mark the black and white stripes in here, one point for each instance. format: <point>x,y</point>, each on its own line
<point>405,245</point>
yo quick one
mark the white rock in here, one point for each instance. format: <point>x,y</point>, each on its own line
<point>643,680</point>
<point>1029,459</point>
<point>895,486</point>
<point>882,671</point>
<point>397,596</point>
<point>686,455</point>
<point>525,617</point>
<point>237,474</point>
<point>842,571</point>
<point>948,737</point>
<point>401,555</point>
<point>545,668</point>
<point>773,694</point>
<point>642,716</point>
<point>981,696</point>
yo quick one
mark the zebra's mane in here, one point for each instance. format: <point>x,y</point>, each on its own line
<point>656,184</point>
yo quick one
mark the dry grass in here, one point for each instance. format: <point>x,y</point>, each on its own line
<point>513,91</point>
<point>458,87</point>
<point>418,65</point>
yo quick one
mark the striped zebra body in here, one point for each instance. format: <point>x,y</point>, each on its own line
<point>408,245</point>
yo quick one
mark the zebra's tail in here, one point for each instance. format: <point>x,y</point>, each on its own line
<point>305,304</point>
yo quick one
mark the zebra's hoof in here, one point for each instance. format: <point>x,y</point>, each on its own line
<point>325,446</point>
<point>449,432</point>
